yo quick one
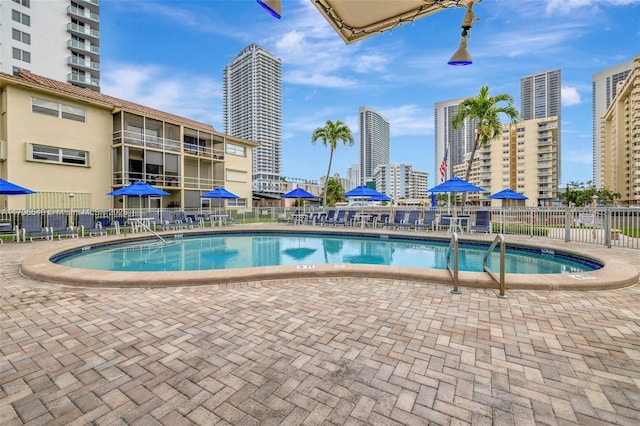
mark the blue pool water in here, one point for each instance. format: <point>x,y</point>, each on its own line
<point>245,250</point>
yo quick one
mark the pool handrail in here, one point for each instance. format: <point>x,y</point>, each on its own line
<point>453,245</point>
<point>499,238</point>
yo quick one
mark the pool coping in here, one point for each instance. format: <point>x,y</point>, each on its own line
<point>616,273</point>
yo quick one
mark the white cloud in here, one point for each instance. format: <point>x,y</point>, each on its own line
<point>164,89</point>
<point>408,120</point>
<point>570,96</point>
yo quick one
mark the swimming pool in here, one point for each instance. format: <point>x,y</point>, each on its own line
<point>239,250</point>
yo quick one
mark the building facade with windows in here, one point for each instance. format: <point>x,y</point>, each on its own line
<point>619,161</point>
<point>58,39</point>
<point>58,139</point>
<point>374,134</point>
<point>541,97</point>
<point>401,181</point>
<point>456,142</point>
<point>252,109</point>
<point>524,158</point>
<point>604,89</point>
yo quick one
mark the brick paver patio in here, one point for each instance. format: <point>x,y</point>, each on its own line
<point>334,351</point>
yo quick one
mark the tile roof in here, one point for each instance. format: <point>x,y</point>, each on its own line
<point>115,103</point>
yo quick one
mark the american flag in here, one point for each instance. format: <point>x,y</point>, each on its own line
<point>443,166</point>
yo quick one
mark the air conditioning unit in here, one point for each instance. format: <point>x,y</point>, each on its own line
<point>3,150</point>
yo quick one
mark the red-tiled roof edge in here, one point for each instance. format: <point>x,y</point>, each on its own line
<point>116,103</point>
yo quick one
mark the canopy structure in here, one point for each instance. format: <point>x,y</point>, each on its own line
<point>356,20</point>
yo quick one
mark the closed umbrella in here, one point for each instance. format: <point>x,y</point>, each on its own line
<point>220,193</point>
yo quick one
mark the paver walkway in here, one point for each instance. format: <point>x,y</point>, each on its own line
<point>314,351</point>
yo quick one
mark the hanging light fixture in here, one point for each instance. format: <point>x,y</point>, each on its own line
<point>462,55</point>
<point>273,7</point>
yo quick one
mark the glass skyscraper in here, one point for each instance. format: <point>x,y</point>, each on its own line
<point>373,131</point>
<point>252,109</point>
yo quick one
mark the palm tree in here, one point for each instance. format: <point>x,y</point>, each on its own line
<point>485,110</point>
<point>330,134</point>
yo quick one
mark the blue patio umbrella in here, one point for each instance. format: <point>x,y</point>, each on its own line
<point>139,189</point>
<point>508,194</point>
<point>363,191</point>
<point>8,188</point>
<point>455,184</point>
<point>298,193</point>
<point>220,193</point>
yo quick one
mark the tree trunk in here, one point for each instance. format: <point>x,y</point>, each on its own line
<point>326,181</point>
<point>468,174</point>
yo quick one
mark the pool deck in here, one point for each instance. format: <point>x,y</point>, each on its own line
<point>360,350</point>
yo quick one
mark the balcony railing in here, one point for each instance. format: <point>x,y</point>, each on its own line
<point>166,181</point>
<point>203,151</point>
<point>87,47</point>
<point>148,141</point>
<point>83,29</point>
<point>76,11</point>
<point>83,63</point>
<point>83,79</point>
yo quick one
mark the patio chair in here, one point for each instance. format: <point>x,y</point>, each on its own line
<point>182,221</point>
<point>109,225</point>
<point>463,221</point>
<point>411,220</point>
<point>382,219</point>
<point>167,221</point>
<point>87,224</point>
<point>7,229</point>
<point>398,218</point>
<point>371,221</point>
<point>483,222</point>
<point>329,218</point>
<point>444,221</point>
<point>428,220</point>
<point>58,224</point>
<point>32,226</point>
<point>345,219</point>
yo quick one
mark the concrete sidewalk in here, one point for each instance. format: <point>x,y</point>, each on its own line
<point>340,351</point>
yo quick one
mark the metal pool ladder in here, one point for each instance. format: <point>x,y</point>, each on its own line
<point>453,249</point>
<point>500,280</point>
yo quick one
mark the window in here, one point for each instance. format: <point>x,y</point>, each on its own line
<point>237,202</point>
<point>25,3</point>
<point>20,17</point>
<point>21,55</point>
<point>50,154</point>
<point>238,150</point>
<point>21,36</point>
<point>55,109</point>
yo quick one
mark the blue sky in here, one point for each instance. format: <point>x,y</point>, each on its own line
<point>170,55</point>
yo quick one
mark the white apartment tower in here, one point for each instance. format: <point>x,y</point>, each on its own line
<point>373,131</point>
<point>353,175</point>
<point>604,85</point>
<point>458,142</point>
<point>58,39</point>
<point>252,109</point>
<point>401,181</point>
<point>541,97</point>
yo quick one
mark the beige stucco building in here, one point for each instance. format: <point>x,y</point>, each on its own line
<point>620,138</point>
<point>524,158</point>
<point>73,146</point>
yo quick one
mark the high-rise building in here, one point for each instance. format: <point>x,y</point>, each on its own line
<point>456,142</point>
<point>401,181</point>
<point>523,158</point>
<point>620,139</point>
<point>252,108</point>
<point>541,97</point>
<point>373,131</point>
<point>604,85</point>
<point>58,39</point>
<point>353,174</point>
